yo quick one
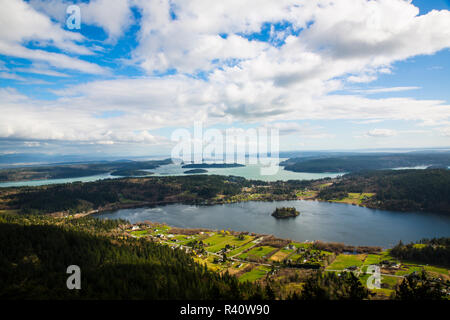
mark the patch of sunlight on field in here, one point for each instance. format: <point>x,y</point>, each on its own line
<point>344,261</point>
<point>255,274</point>
<point>259,252</point>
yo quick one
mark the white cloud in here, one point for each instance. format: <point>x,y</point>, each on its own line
<point>11,76</point>
<point>381,133</point>
<point>301,130</point>
<point>20,24</point>
<point>113,16</point>
<point>445,132</point>
<point>291,77</point>
<point>386,90</point>
<point>32,143</point>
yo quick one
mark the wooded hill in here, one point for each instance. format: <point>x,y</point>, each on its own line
<point>36,251</point>
<point>401,190</point>
<point>364,162</point>
<point>77,170</point>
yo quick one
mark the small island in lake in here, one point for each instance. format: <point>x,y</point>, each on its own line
<point>195,171</point>
<point>281,213</point>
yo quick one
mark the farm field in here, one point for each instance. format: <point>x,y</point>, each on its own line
<point>218,241</point>
<point>259,252</point>
<point>255,274</point>
<point>250,258</point>
<point>354,198</point>
<point>344,261</point>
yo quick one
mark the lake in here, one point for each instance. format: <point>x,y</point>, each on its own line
<point>248,172</point>
<point>317,221</point>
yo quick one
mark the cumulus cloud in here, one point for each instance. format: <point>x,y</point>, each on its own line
<point>20,24</point>
<point>54,121</point>
<point>224,72</point>
<point>114,17</point>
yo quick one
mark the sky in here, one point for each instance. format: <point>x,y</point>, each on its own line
<point>343,74</point>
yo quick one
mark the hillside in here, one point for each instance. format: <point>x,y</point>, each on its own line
<point>364,162</point>
<point>37,250</point>
<point>402,190</point>
<point>78,170</point>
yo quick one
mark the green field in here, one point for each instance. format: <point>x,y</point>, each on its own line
<point>344,261</point>
<point>218,241</point>
<point>281,255</point>
<point>139,233</point>
<point>255,274</point>
<point>240,249</point>
<point>259,252</point>
<point>354,198</point>
<point>373,259</point>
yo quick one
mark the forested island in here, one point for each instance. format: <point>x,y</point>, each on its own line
<point>283,213</point>
<point>401,190</point>
<point>131,173</point>
<point>364,162</point>
<point>194,171</point>
<point>78,170</point>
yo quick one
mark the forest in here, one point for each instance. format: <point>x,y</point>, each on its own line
<point>400,190</point>
<point>364,162</point>
<point>432,251</point>
<point>36,250</point>
<point>77,170</point>
<point>82,197</point>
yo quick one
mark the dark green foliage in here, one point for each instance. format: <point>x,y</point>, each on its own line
<point>419,287</point>
<point>193,171</point>
<point>376,161</point>
<point>79,197</point>
<point>402,190</point>
<point>37,250</point>
<point>435,251</point>
<point>130,173</point>
<point>79,170</point>
<point>330,286</point>
<point>284,212</point>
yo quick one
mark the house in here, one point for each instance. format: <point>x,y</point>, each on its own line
<point>135,228</point>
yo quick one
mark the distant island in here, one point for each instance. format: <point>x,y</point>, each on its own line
<point>78,170</point>
<point>131,173</point>
<point>195,171</point>
<point>281,213</point>
<point>211,165</point>
<point>366,162</point>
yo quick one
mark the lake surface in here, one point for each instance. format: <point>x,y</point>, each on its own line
<point>317,221</point>
<point>248,172</point>
<point>34,183</point>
